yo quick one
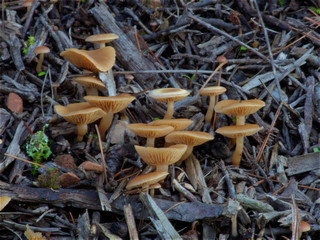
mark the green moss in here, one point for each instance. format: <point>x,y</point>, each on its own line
<point>50,179</point>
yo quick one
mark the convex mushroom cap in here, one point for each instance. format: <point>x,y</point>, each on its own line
<point>145,180</point>
<point>169,96</point>
<point>109,105</point>
<point>190,138</point>
<point>99,60</point>
<point>239,108</point>
<point>92,84</point>
<point>238,132</point>
<point>102,39</point>
<point>161,157</point>
<point>178,124</point>
<point>80,114</point>
<point>150,132</point>
<point>211,92</point>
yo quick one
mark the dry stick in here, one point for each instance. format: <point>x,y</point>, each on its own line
<point>269,47</point>
<point>102,155</point>
<point>128,213</point>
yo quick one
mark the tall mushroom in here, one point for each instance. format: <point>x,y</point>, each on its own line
<point>169,96</point>
<point>150,132</point>
<point>189,138</point>
<point>110,105</point>
<point>212,92</point>
<point>40,50</point>
<point>80,114</point>
<point>161,158</point>
<point>238,132</point>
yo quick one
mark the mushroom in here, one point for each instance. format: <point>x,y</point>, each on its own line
<point>110,105</point>
<point>161,158</point>
<point>190,138</point>
<point>80,114</point>
<point>92,84</point>
<point>239,108</point>
<point>99,60</point>
<point>145,180</point>
<point>238,132</point>
<point>102,39</point>
<point>40,50</point>
<point>169,96</point>
<point>177,124</point>
<point>150,132</point>
<point>212,92</point>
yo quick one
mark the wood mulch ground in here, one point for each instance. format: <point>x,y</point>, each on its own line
<point>273,55</point>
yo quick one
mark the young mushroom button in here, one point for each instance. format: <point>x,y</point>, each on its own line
<point>110,105</point>
<point>161,158</point>
<point>40,50</point>
<point>190,138</point>
<point>80,114</point>
<point>169,96</point>
<point>238,132</point>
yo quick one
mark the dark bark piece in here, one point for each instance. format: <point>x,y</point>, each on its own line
<point>127,52</point>
<point>304,163</point>
<point>80,198</point>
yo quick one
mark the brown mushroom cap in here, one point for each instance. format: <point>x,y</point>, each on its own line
<point>90,82</point>
<point>190,138</point>
<point>239,130</point>
<point>102,38</point>
<point>41,49</point>
<point>212,91</point>
<point>112,104</point>
<point>149,131</point>
<point>99,60</point>
<point>239,107</point>
<point>168,94</point>
<point>178,124</point>
<point>146,179</point>
<point>222,59</point>
<point>79,113</point>
<point>161,156</point>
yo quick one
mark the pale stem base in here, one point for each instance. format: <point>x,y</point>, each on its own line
<point>237,152</point>
<point>150,142</point>
<point>82,130</point>
<point>104,124</point>
<point>209,113</point>
<point>170,110</point>
<point>162,168</point>
<point>91,91</point>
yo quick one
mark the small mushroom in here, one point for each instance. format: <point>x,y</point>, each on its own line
<point>238,132</point>
<point>110,105</point>
<point>40,50</point>
<point>239,108</point>
<point>145,180</point>
<point>161,158</point>
<point>102,39</point>
<point>92,84</point>
<point>212,92</point>
<point>190,138</point>
<point>99,60</point>
<point>169,96</point>
<point>80,114</point>
<point>178,124</point>
<point>150,132</point>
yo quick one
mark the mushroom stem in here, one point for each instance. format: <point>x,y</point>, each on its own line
<point>187,153</point>
<point>150,142</point>
<point>82,130</point>
<point>236,157</point>
<point>234,231</point>
<point>102,45</point>
<point>170,110</point>
<point>241,120</point>
<point>39,64</point>
<point>162,168</point>
<point>212,74</point>
<point>209,113</point>
<point>92,91</point>
<point>105,123</point>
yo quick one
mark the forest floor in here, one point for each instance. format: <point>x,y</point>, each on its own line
<point>272,51</point>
